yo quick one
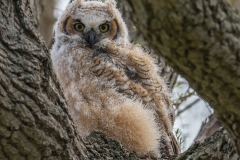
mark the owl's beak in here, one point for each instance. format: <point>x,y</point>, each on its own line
<point>91,37</point>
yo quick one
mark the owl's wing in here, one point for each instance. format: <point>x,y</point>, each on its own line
<point>141,70</point>
<point>146,74</point>
<point>110,70</point>
<point>135,75</point>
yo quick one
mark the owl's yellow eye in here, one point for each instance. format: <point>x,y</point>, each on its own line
<point>79,27</point>
<point>104,28</point>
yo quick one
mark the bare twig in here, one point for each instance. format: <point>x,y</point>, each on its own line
<point>183,97</point>
<point>188,106</point>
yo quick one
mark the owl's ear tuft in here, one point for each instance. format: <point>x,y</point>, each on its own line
<point>112,3</point>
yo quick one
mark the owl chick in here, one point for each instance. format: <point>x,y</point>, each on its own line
<point>109,84</point>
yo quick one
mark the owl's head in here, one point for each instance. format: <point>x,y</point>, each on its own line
<point>92,23</point>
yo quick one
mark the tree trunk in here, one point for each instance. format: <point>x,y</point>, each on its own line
<point>34,122</point>
<point>34,119</point>
<point>200,40</point>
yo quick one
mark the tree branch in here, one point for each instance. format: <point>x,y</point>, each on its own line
<point>188,106</point>
<point>219,146</point>
<point>200,40</point>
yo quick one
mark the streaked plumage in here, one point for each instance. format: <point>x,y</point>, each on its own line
<point>110,84</point>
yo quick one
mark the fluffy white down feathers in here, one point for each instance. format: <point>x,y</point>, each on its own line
<point>111,86</point>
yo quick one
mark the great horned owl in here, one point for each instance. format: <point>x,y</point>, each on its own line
<point>109,84</point>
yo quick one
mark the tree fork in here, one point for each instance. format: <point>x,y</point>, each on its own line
<point>34,120</point>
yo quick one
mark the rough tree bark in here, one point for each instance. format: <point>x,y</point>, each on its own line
<point>217,147</point>
<point>200,40</point>
<point>34,121</point>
